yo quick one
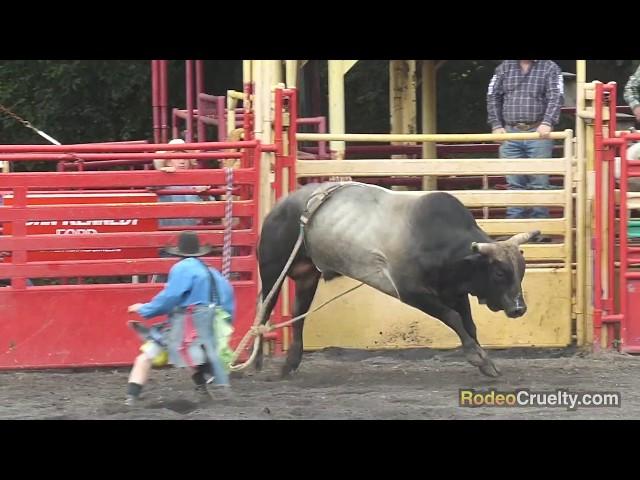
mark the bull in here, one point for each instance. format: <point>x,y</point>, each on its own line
<point>427,251</point>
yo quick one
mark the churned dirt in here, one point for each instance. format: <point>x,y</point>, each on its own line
<point>337,384</point>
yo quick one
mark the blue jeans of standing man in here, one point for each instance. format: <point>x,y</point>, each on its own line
<point>527,149</point>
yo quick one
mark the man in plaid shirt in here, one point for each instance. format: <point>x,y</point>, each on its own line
<point>632,94</point>
<point>526,96</point>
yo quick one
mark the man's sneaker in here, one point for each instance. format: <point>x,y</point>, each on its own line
<point>203,394</point>
<point>131,401</point>
<point>222,391</point>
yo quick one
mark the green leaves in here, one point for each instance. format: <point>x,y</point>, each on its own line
<point>76,101</point>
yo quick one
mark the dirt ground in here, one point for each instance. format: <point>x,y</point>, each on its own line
<point>336,384</point>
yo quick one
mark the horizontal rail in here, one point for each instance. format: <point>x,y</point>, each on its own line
<point>385,167</point>
<point>496,198</point>
<point>406,149</point>
<point>86,268</point>
<point>97,287</point>
<point>499,226</point>
<point>116,240</point>
<point>439,137</point>
<point>116,148</point>
<point>241,208</point>
<point>145,156</point>
<point>535,251</point>
<point>141,178</point>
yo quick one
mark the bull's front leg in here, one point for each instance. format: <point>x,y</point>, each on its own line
<point>461,305</point>
<point>433,305</point>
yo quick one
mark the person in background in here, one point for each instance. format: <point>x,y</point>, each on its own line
<point>632,94</point>
<point>171,166</point>
<point>526,96</point>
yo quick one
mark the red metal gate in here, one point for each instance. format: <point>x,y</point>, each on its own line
<point>285,127</point>
<point>72,312</point>
<point>616,259</point>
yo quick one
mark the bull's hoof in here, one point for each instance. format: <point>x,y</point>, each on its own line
<point>490,370</point>
<point>257,364</point>
<point>474,358</point>
<point>287,371</point>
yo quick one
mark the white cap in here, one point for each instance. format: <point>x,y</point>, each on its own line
<point>161,162</point>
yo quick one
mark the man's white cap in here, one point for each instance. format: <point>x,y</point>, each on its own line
<point>161,162</point>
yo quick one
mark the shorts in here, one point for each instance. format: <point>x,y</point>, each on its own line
<point>155,352</point>
<point>159,355</point>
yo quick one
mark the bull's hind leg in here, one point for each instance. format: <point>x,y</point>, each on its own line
<point>306,285</point>
<point>432,305</point>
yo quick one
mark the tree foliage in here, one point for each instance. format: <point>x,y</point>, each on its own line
<point>79,101</point>
<point>76,101</point>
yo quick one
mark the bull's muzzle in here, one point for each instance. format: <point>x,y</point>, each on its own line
<point>517,309</point>
<point>517,312</point>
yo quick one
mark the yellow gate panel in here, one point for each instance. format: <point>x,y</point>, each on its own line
<point>366,318</point>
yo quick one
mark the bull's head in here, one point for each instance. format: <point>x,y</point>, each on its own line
<point>500,284</point>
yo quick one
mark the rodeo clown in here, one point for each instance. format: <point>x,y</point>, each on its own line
<point>199,302</point>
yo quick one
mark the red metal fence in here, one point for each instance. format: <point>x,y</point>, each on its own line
<point>616,259</point>
<point>72,312</point>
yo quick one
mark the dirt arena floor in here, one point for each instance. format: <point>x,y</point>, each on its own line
<point>337,384</point>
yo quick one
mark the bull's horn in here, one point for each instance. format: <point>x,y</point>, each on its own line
<point>483,248</point>
<point>521,238</point>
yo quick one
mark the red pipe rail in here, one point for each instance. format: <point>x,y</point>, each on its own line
<point>164,101</point>
<point>199,90</point>
<point>189,95</point>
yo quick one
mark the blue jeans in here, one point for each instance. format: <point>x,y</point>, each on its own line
<point>527,149</point>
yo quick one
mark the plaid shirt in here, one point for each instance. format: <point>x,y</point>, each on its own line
<point>632,90</point>
<point>515,97</point>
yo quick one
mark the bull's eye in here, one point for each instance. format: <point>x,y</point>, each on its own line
<point>498,273</point>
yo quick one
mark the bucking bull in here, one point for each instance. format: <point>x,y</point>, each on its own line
<point>427,251</point>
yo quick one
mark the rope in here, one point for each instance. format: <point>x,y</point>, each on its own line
<point>261,312</point>
<point>259,330</point>
<point>27,124</point>
<point>228,218</point>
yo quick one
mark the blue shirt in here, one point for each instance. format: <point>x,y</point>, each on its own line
<point>189,284</point>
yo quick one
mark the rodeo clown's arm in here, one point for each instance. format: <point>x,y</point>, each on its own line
<point>178,285</point>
